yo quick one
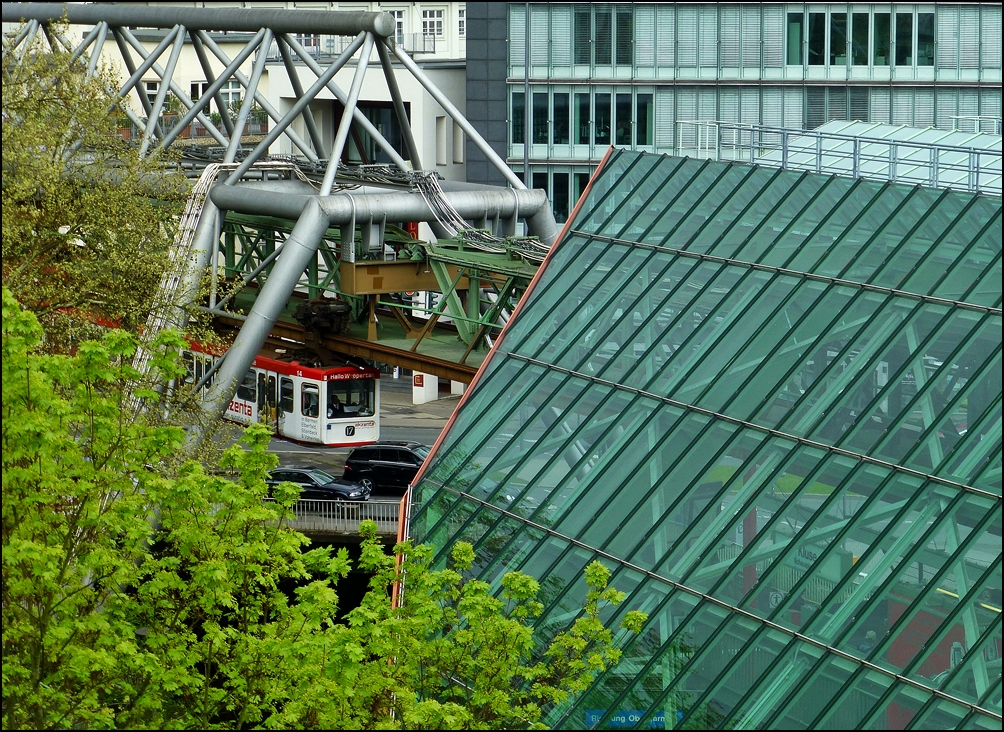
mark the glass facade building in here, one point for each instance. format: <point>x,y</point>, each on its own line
<point>571,79</point>
<point>770,402</point>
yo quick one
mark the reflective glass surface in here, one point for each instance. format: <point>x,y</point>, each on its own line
<point>770,402</point>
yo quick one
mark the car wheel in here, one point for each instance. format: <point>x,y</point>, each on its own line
<point>368,484</point>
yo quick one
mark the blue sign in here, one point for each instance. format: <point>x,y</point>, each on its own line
<point>625,718</point>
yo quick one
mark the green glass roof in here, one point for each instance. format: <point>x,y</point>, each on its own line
<point>770,401</point>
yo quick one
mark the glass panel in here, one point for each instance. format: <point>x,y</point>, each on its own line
<point>904,39</point>
<point>882,37</point>
<point>286,395</point>
<point>559,199</point>
<point>838,38</point>
<point>309,400</point>
<point>540,121</point>
<point>794,39</point>
<point>624,123</point>
<point>540,183</point>
<point>518,117</point>
<point>247,390</point>
<point>602,119</point>
<point>583,37</point>
<point>603,37</point>
<point>817,39</point>
<point>859,41</point>
<point>925,39</point>
<point>644,119</point>
<point>625,39</point>
<point>582,119</point>
<point>560,119</point>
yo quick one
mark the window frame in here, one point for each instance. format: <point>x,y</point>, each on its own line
<point>433,18</point>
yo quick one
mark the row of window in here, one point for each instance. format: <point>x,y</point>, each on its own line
<point>868,39</point>
<point>584,118</point>
<point>432,23</point>
<point>646,116</point>
<point>563,38</point>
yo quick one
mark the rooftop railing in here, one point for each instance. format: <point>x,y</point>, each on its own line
<point>343,517</point>
<point>911,161</point>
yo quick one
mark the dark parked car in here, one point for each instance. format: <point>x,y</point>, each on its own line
<point>320,485</point>
<point>386,465</point>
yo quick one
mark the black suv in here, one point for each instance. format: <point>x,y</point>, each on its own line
<point>385,465</point>
<point>318,484</point>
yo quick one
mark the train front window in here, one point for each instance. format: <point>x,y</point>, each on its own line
<point>309,400</point>
<point>351,398</point>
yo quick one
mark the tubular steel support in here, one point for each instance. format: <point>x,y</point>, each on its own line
<point>242,115</point>
<point>158,103</point>
<point>399,110</point>
<point>451,110</point>
<point>346,122</point>
<point>207,69</point>
<point>301,103</point>
<point>294,79</point>
<point>213,92</point>
<point>358,116</point>
<point>299,249</point>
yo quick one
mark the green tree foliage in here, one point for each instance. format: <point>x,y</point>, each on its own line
<point>140,595</point>
<point>87,223</point>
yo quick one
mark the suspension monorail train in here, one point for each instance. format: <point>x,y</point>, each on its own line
<point>301,399</point>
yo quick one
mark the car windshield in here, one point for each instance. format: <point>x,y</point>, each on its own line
<point>422,451</point>
<point>321,477</point>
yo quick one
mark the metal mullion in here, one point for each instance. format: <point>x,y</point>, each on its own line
<point>945,413</point>
<point>853,284</point>
<point>991,691</point>
<point>881,704</point>
<point>887,331</point>
<point>956,221</point>
<point>906,237</point>
<point>909,406</point>
<point>839,241</point>
<point>488,436</point>
<point>717,682</point>
<point>796,588</point>
<point>765,451</point>
<point>978,448</point>
<point>797,365</point>
<point>599,473</point>
<point>615,186</point>
<point>791,501</point>
<point>700,198</point>
<point>893,255</point>
<point>767,216</point>
<point>930,589</point>
<point>683,494</point>
<point>895,378</point>
<point>825,447</point>
<point>713,308</point>
<point>544,287</point>
<point>604,303</point>
<point>701,545</point>
<point>866,556</point>
<point>991,265</point>
<point>723,372</point>
<point>693,360</point>
<point>657,190</point>
<point>568,440</point>
<point>947,515</point>
<point>708,599</point>
<point>684,668</point>
<point>780,706</point>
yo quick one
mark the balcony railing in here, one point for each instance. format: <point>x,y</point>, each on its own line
<point>195,131</point>
<point>343,517</point>
<point>325,48</point>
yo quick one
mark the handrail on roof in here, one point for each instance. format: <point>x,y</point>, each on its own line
<point>937,164</point>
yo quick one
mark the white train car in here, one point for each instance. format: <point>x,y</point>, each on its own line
<point>336,405</point>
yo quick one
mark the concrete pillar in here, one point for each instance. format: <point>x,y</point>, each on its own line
<point>424,388</point>
<point>457,387</point>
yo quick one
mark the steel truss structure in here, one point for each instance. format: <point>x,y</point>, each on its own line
<point>770,402</point>
<point>314,209</point>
